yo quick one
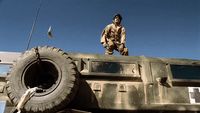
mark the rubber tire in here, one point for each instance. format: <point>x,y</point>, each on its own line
<point>63,91</point>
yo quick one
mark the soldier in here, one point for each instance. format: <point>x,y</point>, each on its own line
<point>114,37</point>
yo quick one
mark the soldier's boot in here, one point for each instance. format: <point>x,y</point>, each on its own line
<point>108,52</point>
<point>124,52</point>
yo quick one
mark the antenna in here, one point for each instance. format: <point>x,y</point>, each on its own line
<point>33,26</point>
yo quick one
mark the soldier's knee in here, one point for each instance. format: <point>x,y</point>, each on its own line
<point>108,52</point>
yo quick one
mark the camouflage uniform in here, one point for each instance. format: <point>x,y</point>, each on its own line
<point>114,38</point>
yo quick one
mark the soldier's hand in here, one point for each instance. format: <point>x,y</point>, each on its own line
<point>105,45</point>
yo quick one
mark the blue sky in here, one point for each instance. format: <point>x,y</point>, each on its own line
<point>155,28</point>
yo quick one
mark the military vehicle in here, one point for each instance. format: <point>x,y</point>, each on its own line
<point>84,83</point>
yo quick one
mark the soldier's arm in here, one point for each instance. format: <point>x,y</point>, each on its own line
<point>103,37</point>
<point>104,34</point>
<point>123,36</point>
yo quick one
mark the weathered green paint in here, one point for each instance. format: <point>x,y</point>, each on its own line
<point>128,83</point>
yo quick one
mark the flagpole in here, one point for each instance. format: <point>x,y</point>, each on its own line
<point>33,26</point>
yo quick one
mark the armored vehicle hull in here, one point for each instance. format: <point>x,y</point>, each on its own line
<point>76,82</point>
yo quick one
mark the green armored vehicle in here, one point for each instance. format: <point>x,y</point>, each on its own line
<point>83,83</point>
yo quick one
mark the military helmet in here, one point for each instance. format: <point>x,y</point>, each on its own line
<point>118,15</point>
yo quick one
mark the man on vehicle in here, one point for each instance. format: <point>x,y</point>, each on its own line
<point>114,37</point>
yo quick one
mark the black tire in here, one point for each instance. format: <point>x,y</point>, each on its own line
<point>54,72</point>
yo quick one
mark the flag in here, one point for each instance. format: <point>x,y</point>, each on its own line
<point>49,33</point>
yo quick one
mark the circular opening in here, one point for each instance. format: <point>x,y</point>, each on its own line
<point>43,75</point>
